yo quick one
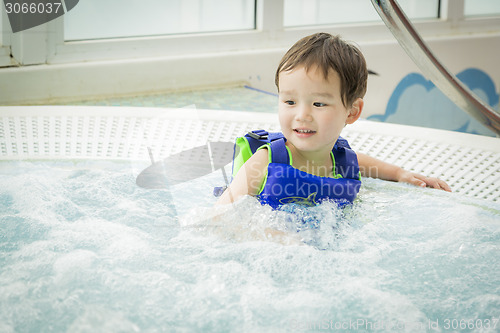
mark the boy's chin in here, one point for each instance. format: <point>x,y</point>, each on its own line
<point>304,146</point>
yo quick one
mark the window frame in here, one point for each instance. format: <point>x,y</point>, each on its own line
<point>5,50</point>
<point>45,44</point>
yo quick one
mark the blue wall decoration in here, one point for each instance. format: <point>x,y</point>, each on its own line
<point>416,101</point>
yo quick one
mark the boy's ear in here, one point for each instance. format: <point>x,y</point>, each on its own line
<point>355,111</point>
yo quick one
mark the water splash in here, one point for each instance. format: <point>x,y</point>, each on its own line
<point>83,248</point>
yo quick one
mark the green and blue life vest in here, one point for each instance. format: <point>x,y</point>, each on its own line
<point>285,184</point>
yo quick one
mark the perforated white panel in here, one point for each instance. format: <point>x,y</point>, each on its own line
<point>469,163</point>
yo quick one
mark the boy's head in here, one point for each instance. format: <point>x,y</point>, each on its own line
<point>329,52</point>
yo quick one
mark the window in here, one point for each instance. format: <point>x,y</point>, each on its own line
<point>482,7</point>
<point>4,40</point>
<point>97,19</point>
<point>96,30</point>
<point>314,12</point>
<point>4,29</point>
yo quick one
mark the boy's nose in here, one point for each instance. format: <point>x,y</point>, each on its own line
<point>303,113</point>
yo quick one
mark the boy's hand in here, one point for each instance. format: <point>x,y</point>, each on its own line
<point>282,237</point>
<point>423,181</point>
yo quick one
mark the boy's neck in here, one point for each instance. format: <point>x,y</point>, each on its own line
<point>315,163</point>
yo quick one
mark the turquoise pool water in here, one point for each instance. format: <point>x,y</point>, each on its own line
<point>82,248</point>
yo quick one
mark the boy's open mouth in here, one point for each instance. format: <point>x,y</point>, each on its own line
<point>303,131</point>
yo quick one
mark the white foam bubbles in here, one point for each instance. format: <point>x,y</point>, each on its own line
<point>101,253</point>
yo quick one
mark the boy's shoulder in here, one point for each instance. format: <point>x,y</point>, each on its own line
<point>261,156</point>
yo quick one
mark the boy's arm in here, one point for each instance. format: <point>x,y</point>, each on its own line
<point>248,181</point>
<point>249,178</point>
<point>372,167</point>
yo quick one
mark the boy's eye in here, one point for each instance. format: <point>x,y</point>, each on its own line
<point>290,102</point>
<point>318,104</point>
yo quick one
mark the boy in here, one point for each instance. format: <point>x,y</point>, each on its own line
<point>321,81</point>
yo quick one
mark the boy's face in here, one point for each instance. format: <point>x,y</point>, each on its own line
<point>311,112</point>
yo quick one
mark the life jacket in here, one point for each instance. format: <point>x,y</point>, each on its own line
<point>285,184</point>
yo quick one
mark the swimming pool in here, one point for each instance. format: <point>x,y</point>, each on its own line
<point>84,248</point>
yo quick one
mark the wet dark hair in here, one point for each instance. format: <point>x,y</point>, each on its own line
<point>329,52</point>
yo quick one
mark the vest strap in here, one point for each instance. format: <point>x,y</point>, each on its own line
<point>275,136</point>
<point>346,160</point>
<point>279,153</point>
